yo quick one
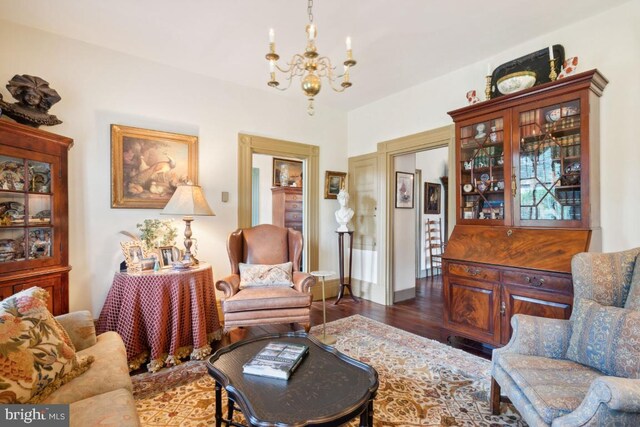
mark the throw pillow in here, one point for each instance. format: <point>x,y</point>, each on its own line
<point>256,275</point>
<point>36,354</point>
<point>606,338</point>
<point>633,299</point>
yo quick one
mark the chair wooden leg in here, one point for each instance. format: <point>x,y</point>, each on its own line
<point>495,397</point>
<point>307,327</point>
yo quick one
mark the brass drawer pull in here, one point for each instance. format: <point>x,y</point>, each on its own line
<point>509,233</point>
<point>503,308</point>
<point>472,271</point>
<point>534,281</point>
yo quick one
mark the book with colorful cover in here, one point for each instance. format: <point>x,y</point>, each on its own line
<point>276,360</point>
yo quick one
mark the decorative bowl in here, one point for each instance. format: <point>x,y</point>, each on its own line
<point>553,115</point>
<point>481,187</point>
<point>515,82</point>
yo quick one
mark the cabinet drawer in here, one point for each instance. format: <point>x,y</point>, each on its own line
<point>293,197</point>
<point>538,280</point>
<point>474,271</point>
<point>293,216</point>
<point>293,205</point>
<point>50,284</point>
<point>295,225</point>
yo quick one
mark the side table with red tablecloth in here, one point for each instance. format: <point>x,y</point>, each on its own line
<point>165,315</point>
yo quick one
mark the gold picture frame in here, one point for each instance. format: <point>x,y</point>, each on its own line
<point>147,165</point>
<point>293,170</point>
<point>168,255</point>
<point>333,183</point>
<point>131,247</point>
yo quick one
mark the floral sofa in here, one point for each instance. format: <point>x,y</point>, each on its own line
<point>584,371</point>
<point>47,360</point>
<point>103,394</point>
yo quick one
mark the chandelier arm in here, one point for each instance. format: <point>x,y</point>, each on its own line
<point>296,62</point>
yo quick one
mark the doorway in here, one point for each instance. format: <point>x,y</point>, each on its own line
<point>248,145</point>
<point>416,222</point>
<point>387,153</point>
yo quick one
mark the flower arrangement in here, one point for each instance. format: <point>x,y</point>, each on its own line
<point>156,232</point>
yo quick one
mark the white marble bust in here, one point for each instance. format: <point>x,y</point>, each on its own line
<point>345,213</point>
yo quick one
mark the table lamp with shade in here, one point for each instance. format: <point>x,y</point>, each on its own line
<point>188,200</point>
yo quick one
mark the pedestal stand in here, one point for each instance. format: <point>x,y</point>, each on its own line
<point>345,282</point>
<point>325,339</point>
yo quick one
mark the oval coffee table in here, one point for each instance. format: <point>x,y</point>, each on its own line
<point>327,389</point>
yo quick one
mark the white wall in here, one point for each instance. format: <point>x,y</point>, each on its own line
<point>433,164</point>
<point>404,233</point>
<point>100,87</point>
<point>265,164</point>
<point>610,42</point>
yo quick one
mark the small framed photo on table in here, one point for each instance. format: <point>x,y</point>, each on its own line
<point>133,250</point>
<point>168,255</point>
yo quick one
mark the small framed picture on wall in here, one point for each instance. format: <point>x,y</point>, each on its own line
<point>431,198</point>
<point>404,190</point>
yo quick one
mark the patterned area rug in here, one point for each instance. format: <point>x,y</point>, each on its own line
<point>422,382</point>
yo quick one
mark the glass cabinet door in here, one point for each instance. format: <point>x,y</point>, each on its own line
<point>26,224</point>
<point>548,169</point>
<point>482,183</point>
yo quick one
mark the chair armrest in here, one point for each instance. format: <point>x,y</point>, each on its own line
<point>538,336</point>
<point>229,285</point>
<point>80,327</point>
<point>302,282</point>
<point>609,401</point>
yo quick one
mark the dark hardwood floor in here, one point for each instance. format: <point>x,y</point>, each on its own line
<point>421,315</point>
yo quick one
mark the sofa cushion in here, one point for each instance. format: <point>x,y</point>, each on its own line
<point>606,338</point>
<point>255,275</point>
<point>633,300</point>
<point>109,372</point>
<point>36,354</point>
<point>115,408</point>
<point>80,328</point>
<point>554,387</point>
<point>269,298</point>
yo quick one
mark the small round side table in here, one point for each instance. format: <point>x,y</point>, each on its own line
<point>325,339</point>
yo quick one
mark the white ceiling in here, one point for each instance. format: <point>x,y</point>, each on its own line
<point>397,43</point>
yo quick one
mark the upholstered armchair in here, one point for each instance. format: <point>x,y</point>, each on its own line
<point>269,245</point>
<point>537,368</point>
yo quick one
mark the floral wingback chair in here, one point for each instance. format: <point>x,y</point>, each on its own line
<point>584,371</point>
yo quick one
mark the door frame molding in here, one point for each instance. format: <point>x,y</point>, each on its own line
<point>250,144</point>
<point>435,138</point>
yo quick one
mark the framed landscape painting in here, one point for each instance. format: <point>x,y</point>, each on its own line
<point>404,190</point>
<point>333,183</point>
<point>147,166</point>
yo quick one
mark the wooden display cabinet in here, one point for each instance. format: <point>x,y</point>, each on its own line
<point>34,213</point>
<point>527,200</point>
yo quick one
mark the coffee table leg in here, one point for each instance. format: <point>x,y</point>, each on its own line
<point>230,404</point>
<point>218,404</point>
<point>370,413</point>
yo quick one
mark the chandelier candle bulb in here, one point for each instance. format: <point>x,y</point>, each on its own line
<point>348,42</point>
<point>551,52</point>
<point>272,35</point>
<point>272,66</point>
<point>312,32</point>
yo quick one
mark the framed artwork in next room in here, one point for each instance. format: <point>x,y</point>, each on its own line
<point>431,198</point>
<point>404,190</point>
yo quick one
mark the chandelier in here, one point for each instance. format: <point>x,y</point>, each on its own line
<point>309,66</point>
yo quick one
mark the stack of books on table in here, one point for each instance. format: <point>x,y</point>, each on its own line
<point>276,360</point>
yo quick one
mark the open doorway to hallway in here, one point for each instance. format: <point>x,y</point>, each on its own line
<point>419,228</point>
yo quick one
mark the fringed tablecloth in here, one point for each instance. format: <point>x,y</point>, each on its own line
<point>166,315</point>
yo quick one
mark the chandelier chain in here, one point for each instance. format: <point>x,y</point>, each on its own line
<point>310,11</point>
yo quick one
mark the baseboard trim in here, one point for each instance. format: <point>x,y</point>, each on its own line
<point>404,294</point>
